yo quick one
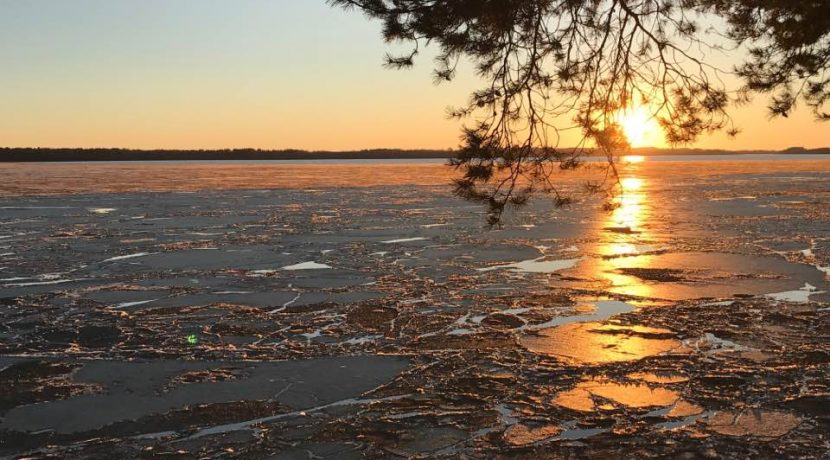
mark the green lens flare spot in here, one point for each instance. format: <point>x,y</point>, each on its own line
<point>192,339</point>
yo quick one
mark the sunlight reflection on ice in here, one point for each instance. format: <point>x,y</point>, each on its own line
<point>630,215</point>
<point>601,343</point>
<point>636,395</point>
<point>602,310</point>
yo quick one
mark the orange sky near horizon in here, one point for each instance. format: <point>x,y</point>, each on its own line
<point>255,73</point>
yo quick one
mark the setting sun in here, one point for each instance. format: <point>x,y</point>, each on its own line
<point>639,126</point>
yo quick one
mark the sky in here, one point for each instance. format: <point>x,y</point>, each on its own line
<point>268,74</point>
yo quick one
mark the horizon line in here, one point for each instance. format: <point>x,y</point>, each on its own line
<point>395,149</point>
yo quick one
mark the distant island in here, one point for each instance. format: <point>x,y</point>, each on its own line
<point>23,154</point>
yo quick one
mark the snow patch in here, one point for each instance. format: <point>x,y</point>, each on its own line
<point>403,240</point>
<point>540,265</point>
<point>101,210</point>
<point>800,296</point>
<point>128,256</point>
<point>306,266</point>
<point>133,304</point>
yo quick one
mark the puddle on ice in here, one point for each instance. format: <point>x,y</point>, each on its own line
<point>628,249</point>
<point>690,275</point>
<point>540,265</point>
<point>133,390</point>
<point>602,310</point>
<point>582,397</point>
<point>799,296</point>
<point>306,266</point>
<point>600,343</point>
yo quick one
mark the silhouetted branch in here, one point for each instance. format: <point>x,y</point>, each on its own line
<point>555,65</point>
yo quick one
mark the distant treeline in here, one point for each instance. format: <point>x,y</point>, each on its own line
<point>8,154</point>
<point>114,154</point>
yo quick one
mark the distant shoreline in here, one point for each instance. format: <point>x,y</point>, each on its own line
<point>19,155</point>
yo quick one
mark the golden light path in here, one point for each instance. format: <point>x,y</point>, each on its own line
<point>624,241</point>
<point>625,235</point>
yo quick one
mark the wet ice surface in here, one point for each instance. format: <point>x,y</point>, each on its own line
<point>384,321</point>
<point>134,390</point>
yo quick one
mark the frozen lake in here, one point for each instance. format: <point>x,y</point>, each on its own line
<point>358,308</point>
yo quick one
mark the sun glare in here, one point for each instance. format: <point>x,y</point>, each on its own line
<point>630,184</point>
<point>634,159</point>
<point>639,126</point>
